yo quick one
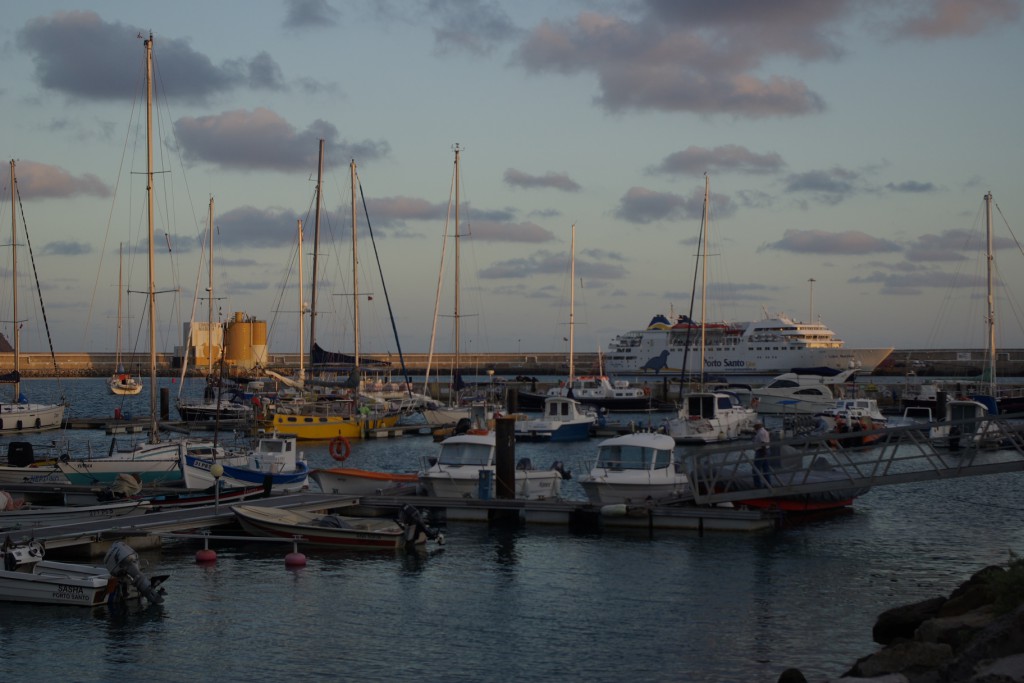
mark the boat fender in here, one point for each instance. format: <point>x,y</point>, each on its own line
<point>617,510</point>
<point>340,448</point>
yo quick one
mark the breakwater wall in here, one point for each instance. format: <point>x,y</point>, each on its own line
<point>922,362</point>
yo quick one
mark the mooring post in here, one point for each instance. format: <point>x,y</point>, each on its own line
<point>505,458</point>
<point>505,471</point>
<point>165,403</point>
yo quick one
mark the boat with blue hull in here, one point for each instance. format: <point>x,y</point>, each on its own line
<point>564,419</point>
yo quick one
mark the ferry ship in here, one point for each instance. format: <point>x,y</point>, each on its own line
<point>770,346</point>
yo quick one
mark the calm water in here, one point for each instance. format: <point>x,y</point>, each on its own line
<point>539,604</point>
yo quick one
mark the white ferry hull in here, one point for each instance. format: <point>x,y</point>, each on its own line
<point>767,347</point>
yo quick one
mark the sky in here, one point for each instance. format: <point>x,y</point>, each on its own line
<point>846,145</point>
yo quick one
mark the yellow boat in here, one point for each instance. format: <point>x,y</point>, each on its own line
<point>316,423</point>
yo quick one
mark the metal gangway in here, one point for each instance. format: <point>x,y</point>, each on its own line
<point>849,464</point>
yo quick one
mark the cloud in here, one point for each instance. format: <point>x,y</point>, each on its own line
<point>911,186</point>
<point>470,26</point>
<point>696,161</point>
<point>494,231</point>
<point>553,263</point>
<point>310,14</point>
<point>830,187</point>
<point>640,205</point>
<point>261,139</point>
<point>247,226</point>
<point>109,68</point>
<point>952,245</point>
<point>43,181</point>
<point>64,248</point>
<point>912,283</point>
<point>558,181</point>
<point>851,242</point>
<point>691,56</point>
<point>946,18</point>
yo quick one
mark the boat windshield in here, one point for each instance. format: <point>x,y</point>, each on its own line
<point>633,458</point>
<point>465,454</point>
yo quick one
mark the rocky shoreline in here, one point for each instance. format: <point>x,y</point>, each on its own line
<point>975,635</point>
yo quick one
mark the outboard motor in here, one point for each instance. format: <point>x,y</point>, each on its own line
<point>412,521</point>
<point>557,466</point>
<point>123,563</point>
<point>19,454</point>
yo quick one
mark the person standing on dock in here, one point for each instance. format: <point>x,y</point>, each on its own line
<point>761,441</point>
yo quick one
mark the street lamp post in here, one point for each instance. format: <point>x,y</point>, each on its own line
<point>811,304</point>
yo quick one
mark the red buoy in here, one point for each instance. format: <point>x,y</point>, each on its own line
<point>295,559</point>
<point>206,555</point>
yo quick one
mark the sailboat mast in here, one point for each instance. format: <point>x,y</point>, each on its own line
<point>355,269</point>
<point>572,305</point>
<point>704,280</point>
<point>120,272</point>
<point>209,301</point>
<point>302,310</point>
<point>14,287</point>
<point>991,298</point>
<point>316,250</point>
<point>457,235</point>
<point>154,433</point>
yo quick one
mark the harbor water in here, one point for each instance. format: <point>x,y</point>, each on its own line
<point>534,604</point>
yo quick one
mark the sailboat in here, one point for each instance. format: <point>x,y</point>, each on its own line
<point>19,415</point>
<point>459,406</point>
<point>709,416</point>
<point>345,416</point>
<point>122,383</point>
<point>573,401</point>
<point>154,461</point>
<point>564,417</point>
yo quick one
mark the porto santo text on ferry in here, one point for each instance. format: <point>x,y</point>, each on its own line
<point>771,346</point>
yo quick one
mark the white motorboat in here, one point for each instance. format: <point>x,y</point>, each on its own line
<point>29,516</point>
<point>26,577</point>
<point>564,419</point>
<point>636,469</point>
<point>275,457</point>
<point>709,417</point>
<point>800,394</point>
<point>965,423</point>
<point>465,468</point>
<point>153,462</point>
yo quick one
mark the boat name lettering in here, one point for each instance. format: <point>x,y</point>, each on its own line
<point>65,592</point>
<point>726,363</point>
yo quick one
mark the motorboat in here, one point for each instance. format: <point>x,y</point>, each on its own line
<point>598,391</point>
<point>319,528</point>
<point>564,419</point>
<point>31,516</point>
<point>966,423</point>
<point>155,463</point>
<point>27,577</point>
<point>465,468</point>
<point>275,459</point>
<point>351,481</point>
<point>635,469</point>
<point>800,394</point>
<point>709,417</point>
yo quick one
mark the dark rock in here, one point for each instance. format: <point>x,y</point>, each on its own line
<point>792,676</point>
<point>902,622</point>
<point>1003,638</point>
<point>909,658</point>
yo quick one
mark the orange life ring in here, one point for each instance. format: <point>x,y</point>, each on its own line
<point>340,448</point>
